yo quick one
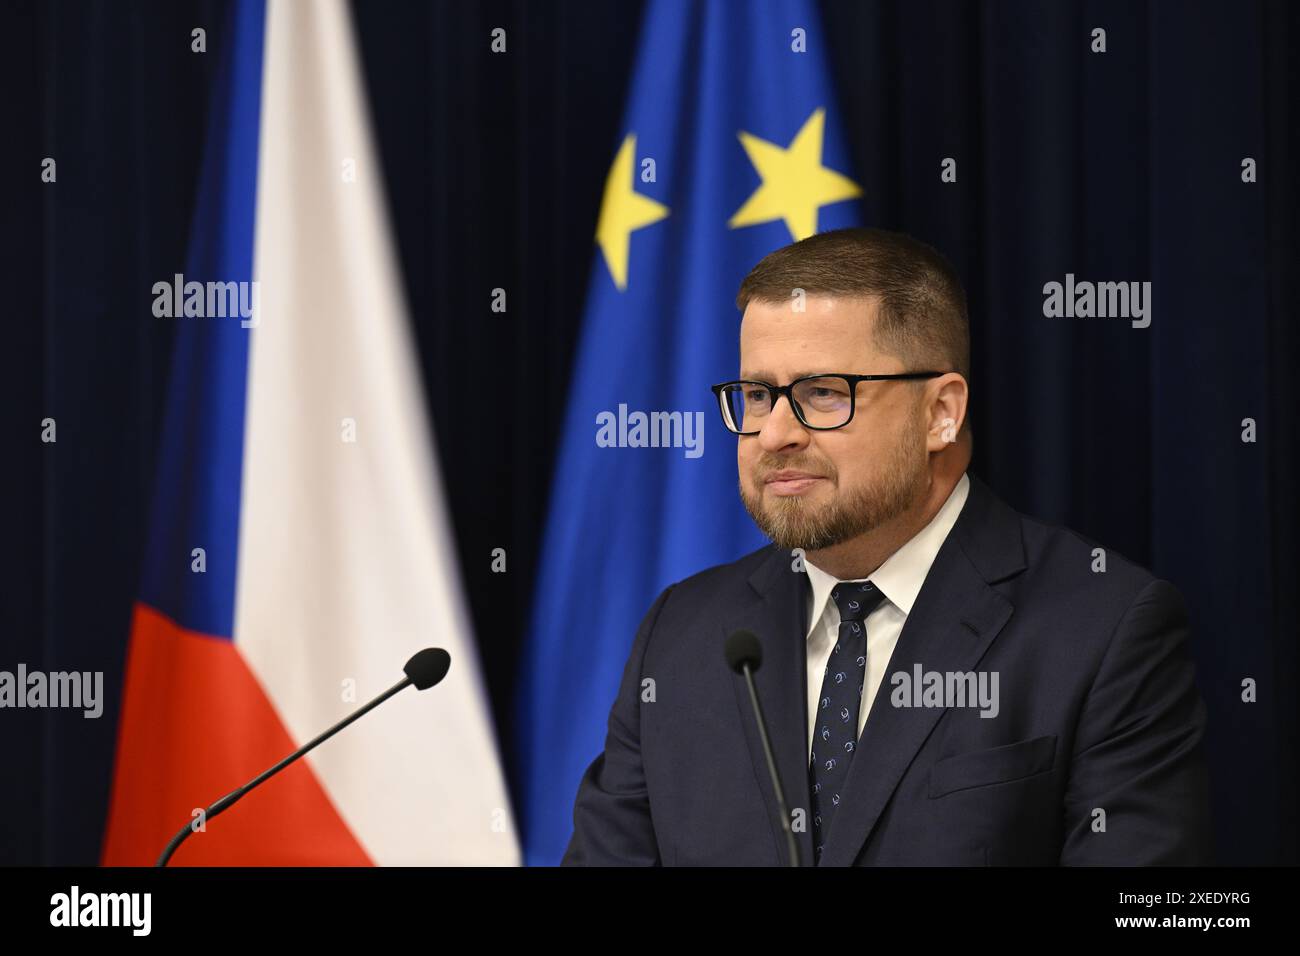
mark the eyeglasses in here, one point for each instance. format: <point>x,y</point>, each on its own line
<point>820,402</point>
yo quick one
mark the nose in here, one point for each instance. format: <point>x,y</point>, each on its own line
<point>782,429</point>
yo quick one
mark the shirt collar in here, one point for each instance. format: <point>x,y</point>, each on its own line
<point>901,575</point>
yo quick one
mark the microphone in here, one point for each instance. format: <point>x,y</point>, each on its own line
<point>423,670</point>
<point>744,656</point>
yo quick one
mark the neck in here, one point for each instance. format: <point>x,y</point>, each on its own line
<point>860,557</point>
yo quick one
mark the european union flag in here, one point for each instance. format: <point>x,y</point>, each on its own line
<point>730,149</point>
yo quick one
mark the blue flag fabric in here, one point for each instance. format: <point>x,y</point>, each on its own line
<point>729,150</point>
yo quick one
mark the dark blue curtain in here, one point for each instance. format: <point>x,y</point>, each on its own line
<point>1122,166</point>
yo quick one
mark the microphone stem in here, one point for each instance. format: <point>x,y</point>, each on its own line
<point>230,799</point>
<point>792,845</point>
<point>313,743</point>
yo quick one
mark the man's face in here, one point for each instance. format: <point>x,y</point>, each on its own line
<point>861,475</point>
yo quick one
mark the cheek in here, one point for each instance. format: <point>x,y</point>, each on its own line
<point>745,460</point>
<point>855,462</point>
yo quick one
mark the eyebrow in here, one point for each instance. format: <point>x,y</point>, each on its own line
<point>766,376</point>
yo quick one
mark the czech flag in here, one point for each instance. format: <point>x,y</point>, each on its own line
<point>300,550</point>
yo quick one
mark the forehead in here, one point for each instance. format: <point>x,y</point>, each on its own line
<point>830,335</point>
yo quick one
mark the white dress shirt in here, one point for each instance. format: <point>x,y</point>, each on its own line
<point>899,578</point>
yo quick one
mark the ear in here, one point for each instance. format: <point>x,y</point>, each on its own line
<point>946,398</point>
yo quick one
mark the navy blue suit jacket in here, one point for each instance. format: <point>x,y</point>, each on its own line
<point>1095,756</point>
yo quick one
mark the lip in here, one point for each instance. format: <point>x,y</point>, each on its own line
<point>791,482</point>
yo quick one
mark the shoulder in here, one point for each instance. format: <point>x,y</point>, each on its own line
<point>717,590</point>
<point>740,570</point>
<point>1080,579</point>
<point>724,579</point>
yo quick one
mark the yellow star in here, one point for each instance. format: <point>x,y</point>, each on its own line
<point>623,210</point>
<point>795,183</point>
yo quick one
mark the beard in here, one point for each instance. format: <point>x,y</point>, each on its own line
<point>792,521</point>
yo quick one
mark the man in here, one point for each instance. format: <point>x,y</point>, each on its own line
<point>947,682</point>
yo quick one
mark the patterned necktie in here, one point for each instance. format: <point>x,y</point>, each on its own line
<point>835,734</point>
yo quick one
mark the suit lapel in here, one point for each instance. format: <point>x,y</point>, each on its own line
<point>955,618</point>
<point>778,615</point>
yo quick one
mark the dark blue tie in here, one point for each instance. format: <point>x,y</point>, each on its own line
<point>835,731</point>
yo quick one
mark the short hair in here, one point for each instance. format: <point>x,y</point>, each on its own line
<point>922,317</point>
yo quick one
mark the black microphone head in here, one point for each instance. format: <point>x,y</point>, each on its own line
<point>743,648</point>
<point>428,667</point>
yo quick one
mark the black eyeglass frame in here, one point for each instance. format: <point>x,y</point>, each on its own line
<point>774,392</point>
